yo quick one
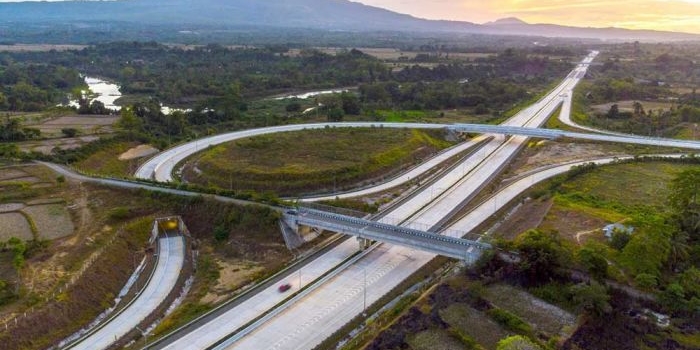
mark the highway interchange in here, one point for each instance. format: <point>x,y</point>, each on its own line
<point>325,307</point>
<point>329,306</point>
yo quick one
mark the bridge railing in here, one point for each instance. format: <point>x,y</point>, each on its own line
<point>311,216</point>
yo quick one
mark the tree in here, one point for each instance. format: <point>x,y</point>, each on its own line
<point>542,255</point>
<point>614,111</point>
<point>336,115</point>
<point>685,201</point>
<point>685,190</point>
<point>351,104</point>
<point>619,239</point>
<point>594,261</point>
<point>638,109</point>
<point>69,132</point>
<point>293,107</point>
<point>592,298</point>
<point>679,249</point>
<point>129,122</point>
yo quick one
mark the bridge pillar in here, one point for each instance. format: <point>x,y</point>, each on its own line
<point>364,243</point>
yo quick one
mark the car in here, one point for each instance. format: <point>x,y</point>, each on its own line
<point>284,287</point>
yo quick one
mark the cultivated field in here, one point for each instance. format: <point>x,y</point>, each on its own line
<point>39,47</point>
<point>628,106</point>
<point>86,125</point>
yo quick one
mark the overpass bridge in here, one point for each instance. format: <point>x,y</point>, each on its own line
<point>367,231</point>
<point>553,134</point>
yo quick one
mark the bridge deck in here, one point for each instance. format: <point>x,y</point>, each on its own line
<point>457,248</point>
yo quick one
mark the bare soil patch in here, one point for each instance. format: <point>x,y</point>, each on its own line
<point>139,151</point>
<point>547,153</point>
<point>570,222</point>
<point>528,216</point>
<point>232,275</point>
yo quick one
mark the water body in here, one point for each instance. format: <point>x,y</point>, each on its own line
<point>312,94</point>
<point>104,92</point>
<point>108,93</point>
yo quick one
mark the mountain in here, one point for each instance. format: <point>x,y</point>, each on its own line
<point>515,26</point>
<point>336,15</point>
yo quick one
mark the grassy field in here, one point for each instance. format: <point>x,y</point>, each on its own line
<point>618,193</point>
<point>312,160</point>
<point>106,161</point>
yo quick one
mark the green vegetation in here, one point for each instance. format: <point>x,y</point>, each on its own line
<point>35,86</point>
<point>643,89</point>
<point>105,161</point>
<point>312,160</point>
<point>12,131</point>
<point>509,321</point>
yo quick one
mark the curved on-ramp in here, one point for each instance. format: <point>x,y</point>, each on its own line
<point>171,258</point>
<point>160,167</point>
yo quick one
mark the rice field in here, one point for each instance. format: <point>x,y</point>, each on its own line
<point>14,225</point>
<point>51,220</point>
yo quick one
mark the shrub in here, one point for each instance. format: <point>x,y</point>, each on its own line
<point>119,213</point>
<point>509,321</point>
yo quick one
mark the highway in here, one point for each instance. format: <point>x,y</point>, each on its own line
<point>171,259</point>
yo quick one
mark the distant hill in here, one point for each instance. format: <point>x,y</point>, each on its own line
<point>338,15</point>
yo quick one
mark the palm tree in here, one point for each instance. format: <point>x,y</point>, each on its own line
<point>679,249</point>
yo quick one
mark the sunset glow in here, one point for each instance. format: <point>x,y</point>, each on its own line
<point>674,15</point>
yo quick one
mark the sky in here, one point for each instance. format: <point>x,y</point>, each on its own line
<point>674,15</point>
